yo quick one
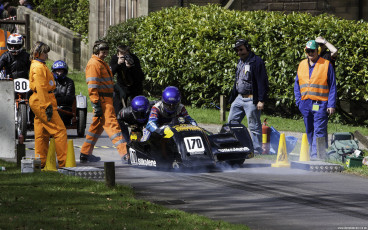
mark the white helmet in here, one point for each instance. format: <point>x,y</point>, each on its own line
<point>15,43</point>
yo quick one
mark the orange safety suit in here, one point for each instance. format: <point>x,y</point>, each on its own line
<point>3,39</point>
<point>42,84</point>
<point>100,88</point>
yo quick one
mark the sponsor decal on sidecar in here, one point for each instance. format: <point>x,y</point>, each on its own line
<point>240,149</point>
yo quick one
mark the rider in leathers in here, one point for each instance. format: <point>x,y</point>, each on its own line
<point>16,60</point>
<point>65,89</point>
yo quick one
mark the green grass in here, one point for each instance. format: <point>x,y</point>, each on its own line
<point>55,201</point>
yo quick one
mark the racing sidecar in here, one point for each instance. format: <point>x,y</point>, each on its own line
<point>188,146</point>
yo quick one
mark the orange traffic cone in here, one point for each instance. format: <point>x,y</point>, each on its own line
<point>304,149</point>
<point>282,158</point>
<point>70,156</point>
<point>51,157</point>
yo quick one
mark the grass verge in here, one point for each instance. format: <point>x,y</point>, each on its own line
<point>55,201</point>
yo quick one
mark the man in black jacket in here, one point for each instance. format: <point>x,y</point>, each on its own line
<point>249,92</point>
<point>16,60</point>
<point>65,90</point>
<point>129,77</point>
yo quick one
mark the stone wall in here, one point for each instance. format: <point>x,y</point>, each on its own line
<point>65,44</point>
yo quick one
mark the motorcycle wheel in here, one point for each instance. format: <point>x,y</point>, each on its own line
<point>81,122</point>
<point>22,120</point>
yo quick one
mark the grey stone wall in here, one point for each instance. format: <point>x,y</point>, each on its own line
<point>65,44</point>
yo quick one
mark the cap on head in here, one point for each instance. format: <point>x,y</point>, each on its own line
<point>311,44</point>
<point>239,43</point>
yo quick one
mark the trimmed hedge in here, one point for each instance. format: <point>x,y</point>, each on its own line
<point>191,48</point>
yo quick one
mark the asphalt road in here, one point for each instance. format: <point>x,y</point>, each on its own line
<point>257,195</point>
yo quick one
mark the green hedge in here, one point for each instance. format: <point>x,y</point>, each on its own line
<point>191,48</point>
<point>72,14</point>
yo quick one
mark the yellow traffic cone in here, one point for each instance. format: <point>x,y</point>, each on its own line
<point>51,157</point>
<point>282,158</point>
<point>304,149</point>
<point>70,156</point>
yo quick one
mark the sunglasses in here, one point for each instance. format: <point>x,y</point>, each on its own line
<point>104,49</point>
<point>309,51</point>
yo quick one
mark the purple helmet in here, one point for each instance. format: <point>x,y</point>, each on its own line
<point>59,65</point>
<point>171,99</point>
<point>140,108</point>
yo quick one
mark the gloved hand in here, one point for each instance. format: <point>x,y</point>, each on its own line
<point>49,112</point>
<point>160,130</point>
<point>120,115</point>
<point>97,109</point>
<point>321,40</point>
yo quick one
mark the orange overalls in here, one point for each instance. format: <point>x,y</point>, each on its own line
<point>42,84</point>
<point>100,88</point>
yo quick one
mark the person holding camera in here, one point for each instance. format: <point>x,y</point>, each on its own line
<point>249,92</point>
<point>129,79</point>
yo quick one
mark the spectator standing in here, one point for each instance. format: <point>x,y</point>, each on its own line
<point>9,13</point>
<point>249,92</point>
<point>47,121</point>
<point>26,4</point>
<point>315,94</point>
<point>100,89</point>
<point>129,80</point>
<point>327,50</point>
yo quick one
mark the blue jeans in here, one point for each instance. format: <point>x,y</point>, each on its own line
<point>244,106</point>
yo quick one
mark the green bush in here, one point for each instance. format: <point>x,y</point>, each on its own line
<point>191,48</point>
<point>69,13</point>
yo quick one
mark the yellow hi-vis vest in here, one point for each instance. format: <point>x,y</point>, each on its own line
<point>3,38</point>
<point>315,87</point>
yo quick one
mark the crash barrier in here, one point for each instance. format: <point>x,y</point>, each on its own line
<point>282,157</point>
<point>3,38</point>
<point>7,124</point>
<point>275,139</point>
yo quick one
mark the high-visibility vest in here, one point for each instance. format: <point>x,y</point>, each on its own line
<point>3,39</point>
<point>315,87</point>
<point>99,79</point>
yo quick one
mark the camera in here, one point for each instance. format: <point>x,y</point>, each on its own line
<point>129,59</point>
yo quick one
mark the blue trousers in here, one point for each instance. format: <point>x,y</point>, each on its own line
<point>315,123</point>
<point>244,106</point>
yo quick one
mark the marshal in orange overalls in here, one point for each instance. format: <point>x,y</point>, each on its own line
<point>42,84</point>
<point>100,88</point>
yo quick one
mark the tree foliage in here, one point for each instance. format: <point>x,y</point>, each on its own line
<point>72,14</point>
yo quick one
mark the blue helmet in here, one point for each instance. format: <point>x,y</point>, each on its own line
<point>171,99</point>
<point>59,65</point>
<point>141,108</point>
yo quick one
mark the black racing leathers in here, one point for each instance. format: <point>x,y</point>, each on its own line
<point>65,91</point>
<point>16,66</point>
